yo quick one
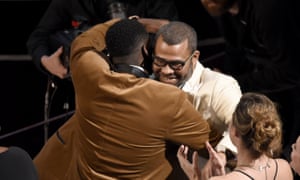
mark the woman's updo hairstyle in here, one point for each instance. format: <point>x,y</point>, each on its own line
<point>258,123</point>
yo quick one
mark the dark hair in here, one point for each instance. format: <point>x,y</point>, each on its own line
<point>258,123</point>
<point>125,37</point>
<point>176,32</point>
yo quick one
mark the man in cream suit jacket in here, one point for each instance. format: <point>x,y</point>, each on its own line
<point>213,94</point>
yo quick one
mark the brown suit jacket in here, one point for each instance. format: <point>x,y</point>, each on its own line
<point>121,122</point>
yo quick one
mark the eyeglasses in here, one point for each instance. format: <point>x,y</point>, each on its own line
<point>176,65</point>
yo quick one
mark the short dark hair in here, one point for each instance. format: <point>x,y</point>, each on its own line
<point>176,32</point>
<point>125,37</point>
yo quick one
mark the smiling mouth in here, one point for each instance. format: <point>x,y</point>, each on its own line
<point>169,80</point>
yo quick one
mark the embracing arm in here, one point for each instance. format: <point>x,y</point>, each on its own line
<point>227,94</point>
<point>188,126</point>
<point>87,66</point>
<point>92,39</point>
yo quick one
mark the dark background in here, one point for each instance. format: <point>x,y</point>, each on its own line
<point>23,86</point>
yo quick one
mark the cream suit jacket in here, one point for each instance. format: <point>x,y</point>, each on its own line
<point>215,96</point>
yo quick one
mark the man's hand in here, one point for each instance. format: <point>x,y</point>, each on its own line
<point>53,64</point>
<point>215,165</point>
<point>192,170</point>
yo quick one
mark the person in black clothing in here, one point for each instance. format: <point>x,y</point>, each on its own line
<point>262,39</point>
<point>49,43</point>
<point>60,15</point>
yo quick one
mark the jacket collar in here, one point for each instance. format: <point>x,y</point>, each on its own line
<point>194,83</point>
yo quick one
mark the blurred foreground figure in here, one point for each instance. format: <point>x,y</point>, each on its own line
<point>16,164</point>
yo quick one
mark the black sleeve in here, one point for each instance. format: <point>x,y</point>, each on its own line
<point>55,18</point>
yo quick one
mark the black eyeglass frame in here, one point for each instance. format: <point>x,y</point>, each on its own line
<point>176,65</point>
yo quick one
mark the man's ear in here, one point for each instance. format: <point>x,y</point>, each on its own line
<point>145,50</point>
<point>196,56</point>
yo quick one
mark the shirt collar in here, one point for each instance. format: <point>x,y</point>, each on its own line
<point>194,81</point>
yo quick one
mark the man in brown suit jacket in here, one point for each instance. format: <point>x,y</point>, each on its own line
<point>122,120</point>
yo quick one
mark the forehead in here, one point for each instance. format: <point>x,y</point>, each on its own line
<point>162,49</point>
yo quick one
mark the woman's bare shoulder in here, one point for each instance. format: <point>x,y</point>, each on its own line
<point>284,169</point>
<point>282,163</point>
